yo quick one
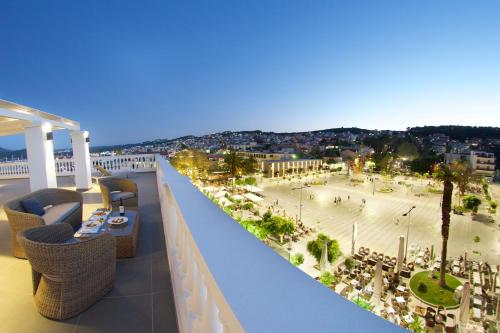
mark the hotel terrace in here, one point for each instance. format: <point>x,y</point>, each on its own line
<point>190,268</point>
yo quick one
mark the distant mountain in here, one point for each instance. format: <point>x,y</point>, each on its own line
<point>7,154</point>
<point>456,132</point>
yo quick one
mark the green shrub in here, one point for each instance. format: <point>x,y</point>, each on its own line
<point>416,325</point>
<point>459,210</point>
<point>477,239</point>
<point>297,259</point>
<point>349,263</point>
<point>493,204</point>
<point>255,229</point>
<point>250,181</point>
<point>362,303</point>
<point>471,202</point>
<point>434,190</point>
<point>422,287</point>
<point>327,278</point>
<point>248,206</point>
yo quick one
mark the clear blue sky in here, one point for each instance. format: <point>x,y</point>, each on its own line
<point>136,70</point>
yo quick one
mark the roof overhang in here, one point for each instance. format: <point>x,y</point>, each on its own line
<point>14,118</point>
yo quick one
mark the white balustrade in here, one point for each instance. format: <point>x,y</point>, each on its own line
<point>66,166</point>
<point>226,280</point>
<point>17,169</point>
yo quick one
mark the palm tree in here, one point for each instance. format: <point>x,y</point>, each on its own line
<point>445,174</point>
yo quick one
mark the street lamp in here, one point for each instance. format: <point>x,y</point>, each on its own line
<point>408,230</point>
<point>300,200</point>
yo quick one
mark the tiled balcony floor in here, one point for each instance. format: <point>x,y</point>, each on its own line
<point>142,299</point>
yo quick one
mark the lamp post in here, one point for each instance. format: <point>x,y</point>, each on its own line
<point>408,230</point>
<point>300,200</point>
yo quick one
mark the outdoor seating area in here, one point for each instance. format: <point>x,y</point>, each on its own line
<point>301,231</point>
<point>79,279</point>
<point>397,302</point>
<point>115,190</point>
<point>54,206</point>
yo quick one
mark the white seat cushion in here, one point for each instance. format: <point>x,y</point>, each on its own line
<point>117,195</point>
<point>58,213</point>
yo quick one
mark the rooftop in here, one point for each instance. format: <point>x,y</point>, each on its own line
<point>142,299</point>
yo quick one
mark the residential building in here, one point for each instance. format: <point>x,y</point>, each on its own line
<point>264,156</point>
<point>282,168</point>
<point>482,163</point>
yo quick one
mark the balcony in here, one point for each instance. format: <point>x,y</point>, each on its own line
<point>141,300</point>
<point>225,280</point>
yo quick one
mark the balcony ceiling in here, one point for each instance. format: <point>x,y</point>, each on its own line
<point>15,117</point>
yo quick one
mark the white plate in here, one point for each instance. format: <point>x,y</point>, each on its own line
<point>98,213</point>
<point>117,220</point>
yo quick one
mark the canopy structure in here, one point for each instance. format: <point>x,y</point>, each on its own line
<point>37,127</point>
<point>252,197</point>
<point>14,118</point>
<point>255,189</point>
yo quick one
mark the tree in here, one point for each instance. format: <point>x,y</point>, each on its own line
<point>462,175</point>
<point>425,164</point>
<point>233,163</point>
<point>315,248</point>
<point>407,150</point>
<point>238,165</point>
<point>444,174</point>
<point>471,202</point>
<point>383,161</point>
<point>279,226</point>
<point>191,162</point>
<point>248,166</point>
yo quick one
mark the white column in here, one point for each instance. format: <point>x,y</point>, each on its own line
<point>81,157</point>
<point>40,153</point>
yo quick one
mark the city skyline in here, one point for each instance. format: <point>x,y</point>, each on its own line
<point>184,68</point>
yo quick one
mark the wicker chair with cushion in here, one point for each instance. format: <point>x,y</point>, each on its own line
<point>61,206</point>
<point>113,189</point>
<point>69,275</point>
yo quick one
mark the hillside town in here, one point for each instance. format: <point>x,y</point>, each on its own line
<point>414,150</point>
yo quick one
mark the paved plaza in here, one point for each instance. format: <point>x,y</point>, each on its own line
<point>380,221</point>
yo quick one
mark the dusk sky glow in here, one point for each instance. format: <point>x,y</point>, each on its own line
<point>131,71</point>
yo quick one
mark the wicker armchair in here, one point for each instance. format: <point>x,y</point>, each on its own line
<point>68,275</point>
<point>19,220</point>
<point>114,188</point>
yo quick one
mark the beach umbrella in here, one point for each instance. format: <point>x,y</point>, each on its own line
<point>401,253</point>
<point>377,290</point>
<point>498,309</point>
<point>464,305</point>
<point>324,257</point>
<point>354,237</point>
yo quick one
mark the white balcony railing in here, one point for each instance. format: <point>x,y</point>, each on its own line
<point>66,166</point>
<point>226,280</point>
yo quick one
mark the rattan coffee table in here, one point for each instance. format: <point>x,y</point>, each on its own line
<point>126,235</point>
